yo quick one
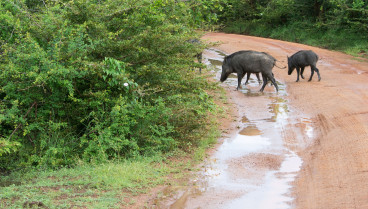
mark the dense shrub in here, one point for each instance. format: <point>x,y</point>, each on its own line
<point>95,80</point>
<point>335,24</point>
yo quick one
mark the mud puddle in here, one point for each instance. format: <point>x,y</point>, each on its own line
<point>254,168</point>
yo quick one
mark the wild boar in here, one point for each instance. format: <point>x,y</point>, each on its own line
<point>249,61</point>
<point>300,60</point>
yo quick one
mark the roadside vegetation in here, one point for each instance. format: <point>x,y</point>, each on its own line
<point>333,24</point>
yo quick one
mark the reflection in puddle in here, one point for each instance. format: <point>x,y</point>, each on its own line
<point>279,109</point>
<point>242,145</point>
<point>308,129</point>
<point>215,172</point>
<point>245,119</point>
<point>274,192</point>
<point>250,130</point>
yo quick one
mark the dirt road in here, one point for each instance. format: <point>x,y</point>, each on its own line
<point>303,147</point>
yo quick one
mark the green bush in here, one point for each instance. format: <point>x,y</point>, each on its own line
<point>334,24</point>
<point>96,80</point>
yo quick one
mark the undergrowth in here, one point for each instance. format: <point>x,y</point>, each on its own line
<point>95,81</point>
<point>347,41</point>
<point>332,24</point>
<point>113,184</point>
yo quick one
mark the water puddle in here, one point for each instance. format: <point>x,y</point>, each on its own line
<point>274,193</point>
<point>307,124</point>
<point>250,130</point>
<point>255,168</point>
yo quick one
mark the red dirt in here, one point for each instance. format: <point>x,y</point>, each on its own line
<point>335,164</point>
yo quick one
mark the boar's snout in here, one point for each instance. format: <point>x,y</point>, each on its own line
<point>222,79</point>
<point>290,70</point>
<point>224,74</point>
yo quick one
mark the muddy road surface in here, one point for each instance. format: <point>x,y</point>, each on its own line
<point>305,146</point>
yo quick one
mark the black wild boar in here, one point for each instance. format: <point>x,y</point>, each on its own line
<point>300,60</point>
<point>243,62</point>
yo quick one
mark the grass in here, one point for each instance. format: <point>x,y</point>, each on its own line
<point>86,185</point>
<point>111,185</point>
<point>116,184</point>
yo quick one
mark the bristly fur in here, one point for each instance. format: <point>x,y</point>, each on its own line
<point>229,57</point>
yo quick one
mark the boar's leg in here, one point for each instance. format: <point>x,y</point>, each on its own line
<point>264,82</point>
<point>248,75</point>
<point>297,73</point>
<point>312,72</point>
<point>273,81</point>
<point>319,76</point>
<point>266,77</point>
<point>301,72</point>
<point>314,68</point>
<point>273,77</point>
<point>259,80</point>
<point>240,77</point>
